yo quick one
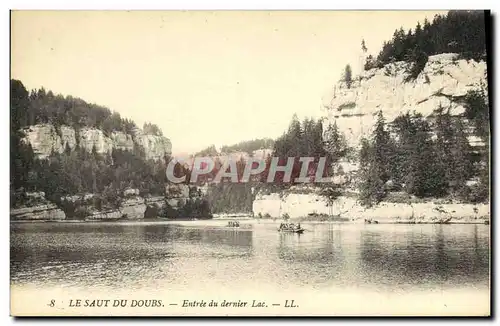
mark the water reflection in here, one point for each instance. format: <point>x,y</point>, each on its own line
<point>151,255</point>
<point>434,257</point>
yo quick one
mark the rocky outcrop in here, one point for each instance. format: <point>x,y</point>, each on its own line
<point>93,207</point>
<point>36,207</point>
<point>158,202</point>
<point>90,138</point>
<point>444,81</point>
<point>123,141</point>
<point>304,205</point>
<point>45,139</point>
<point>176,195</point>
<point>155,147</point>
<point>133,207</point>
<point>40,212</point>
<point>105,215</point>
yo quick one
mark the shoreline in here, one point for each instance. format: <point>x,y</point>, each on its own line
<point>257,220</point>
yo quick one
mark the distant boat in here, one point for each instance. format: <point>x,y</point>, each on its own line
<point>299,231</point>
<point>290,228</point>
<point>233,224</point>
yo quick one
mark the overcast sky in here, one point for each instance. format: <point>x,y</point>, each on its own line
<point>203,77</point>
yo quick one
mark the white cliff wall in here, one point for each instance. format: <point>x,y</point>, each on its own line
<point>301,205</point>
<point>442,82</point>
<point>44,140</point>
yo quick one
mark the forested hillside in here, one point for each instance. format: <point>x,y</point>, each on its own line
<point>75,171</point>
<point>462,32</point>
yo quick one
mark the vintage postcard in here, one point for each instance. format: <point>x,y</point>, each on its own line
<point>250,163</point>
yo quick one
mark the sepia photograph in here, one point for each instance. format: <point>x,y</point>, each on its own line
<point>250,163</point>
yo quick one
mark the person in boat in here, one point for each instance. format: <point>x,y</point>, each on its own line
<point>298,226</point>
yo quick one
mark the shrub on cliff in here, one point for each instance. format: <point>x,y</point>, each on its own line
<point>419,59</point>
<point>347,76</point>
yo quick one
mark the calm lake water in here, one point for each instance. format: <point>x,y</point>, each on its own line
<point>206,254</point>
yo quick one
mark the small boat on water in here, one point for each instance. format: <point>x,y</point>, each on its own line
<point>290,228</point>
<point>233,224</point>
<point>299,231</point>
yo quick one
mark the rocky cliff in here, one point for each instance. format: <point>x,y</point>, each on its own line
<point>45,139</point>
<point>444,81</point>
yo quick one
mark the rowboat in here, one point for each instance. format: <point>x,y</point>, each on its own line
<point>290,228</point>
<point>299,231</point>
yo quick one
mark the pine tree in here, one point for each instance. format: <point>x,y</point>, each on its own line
<point>348,76</point>
<point>382,149</point>
<point>461,160</point>
<point>371,187</point>
<point>335,143</point>
<point>444,140</point>
<point>423,177</point>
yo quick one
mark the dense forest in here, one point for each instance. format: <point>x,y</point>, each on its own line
<point>461,32</point>
<point>41,106</point>
<point>301,139</point>
<point>248,146</point>
<point>245,146</point>
<point>428,157</point>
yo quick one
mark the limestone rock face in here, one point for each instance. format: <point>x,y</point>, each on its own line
<point>122,141</point>
<point>443,81</point>
<point>45,139</point>
<point>295,205</point>
<point>90,137</point>
<point>104,215</point>
<point>133,207</point>
<point>156,147</point>
<point>39,212</point>
<point>156,201</point>
<point>37,208</point>
<point>301,205</point>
